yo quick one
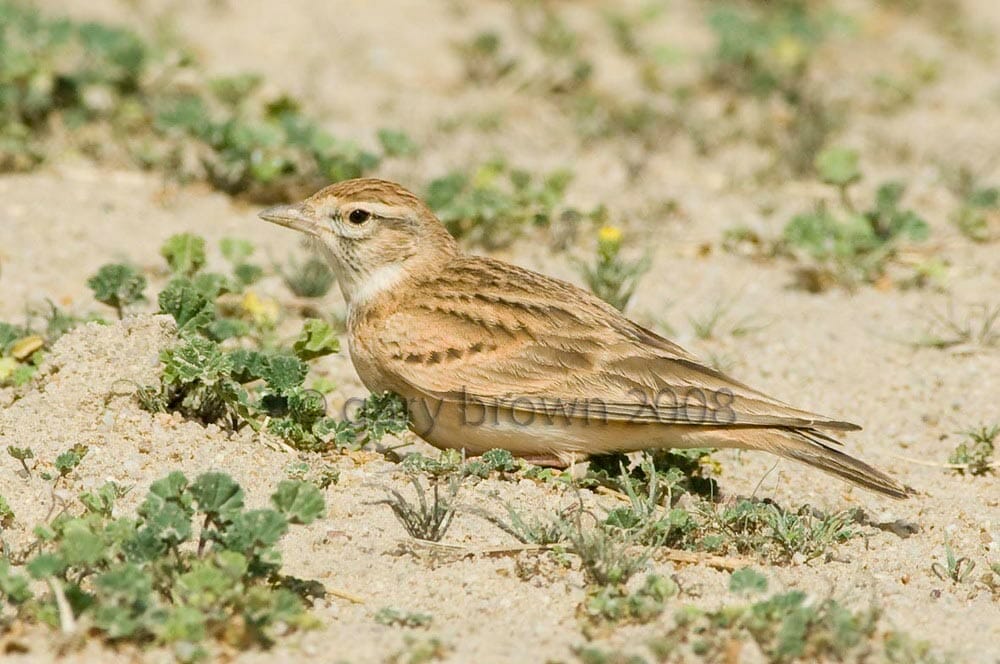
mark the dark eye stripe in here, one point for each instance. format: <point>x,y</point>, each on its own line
<point>359,216</point>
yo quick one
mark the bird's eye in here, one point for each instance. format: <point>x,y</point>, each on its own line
<point>359,216</point>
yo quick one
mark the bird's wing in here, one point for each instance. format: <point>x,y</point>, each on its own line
<point>493,333</point>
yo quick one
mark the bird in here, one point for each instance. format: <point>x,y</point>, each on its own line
<point>489,355</point>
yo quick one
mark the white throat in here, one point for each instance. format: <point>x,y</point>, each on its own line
<point>370,286</point>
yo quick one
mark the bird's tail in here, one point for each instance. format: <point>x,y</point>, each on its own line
<point>819,450</point>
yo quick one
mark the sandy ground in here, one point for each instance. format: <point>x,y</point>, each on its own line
<point>370,65</point>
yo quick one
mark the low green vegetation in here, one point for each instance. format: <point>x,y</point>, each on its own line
<point>115,96</point>
<point>611,277</point>
<point>768,51</point>
<point>228,366</point>
<point>191,568</point>
<point>23,346</point>
<point>955,568</point>
<point>978,214</point>
<point>399,618</point>
<point>496,203</point>
<point>974,455</point>
<point>974,327</point>
<point>848,245</point>
<point>782,627</point>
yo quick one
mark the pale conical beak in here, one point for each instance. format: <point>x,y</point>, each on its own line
<point>291,216</point>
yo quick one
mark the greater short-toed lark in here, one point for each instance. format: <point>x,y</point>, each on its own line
<point>490,355</point>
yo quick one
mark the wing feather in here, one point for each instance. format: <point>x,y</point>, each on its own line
<point>513,338</point>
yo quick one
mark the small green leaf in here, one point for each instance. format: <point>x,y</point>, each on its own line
<point>185,253</point>
<point>747,581</point>
<point>300,502</point>
<point>189,306</point>
<point>254,529</point>
<point>117,285</point>
<point>236,250</point>
<point>285,373</point>
<point>45,565</point>
<point>13,587</point>
<point>396,143</point>
<point>248,365</point>
<point>383,414</point>
<point>838,166</point>
<point>70,459</point>
<point>79,545</point>
<point>217,495</point>
<point>316,340</point>
<point>195,360</point>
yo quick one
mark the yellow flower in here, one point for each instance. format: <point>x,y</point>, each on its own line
<point>790,52</point>
<point>609,235</point>
<point>263,311</point>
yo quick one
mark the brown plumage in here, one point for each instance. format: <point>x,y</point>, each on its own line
<point>490,355</point>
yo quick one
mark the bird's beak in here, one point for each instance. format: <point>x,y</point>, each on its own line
<point>291,216</point>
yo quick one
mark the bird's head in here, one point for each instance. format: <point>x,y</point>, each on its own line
<point>374,234</point>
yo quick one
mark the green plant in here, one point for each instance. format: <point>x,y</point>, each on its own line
<point>430,517</point>
<point>848,246</point>
<point>770,532</point>
<point>615,604</point>
<point>956,569</point>
<point>539,531</point>
<point>605,559</point>
<point>138,579</point>
<point>21,353</point>
<point>483,58</point>
<point>979,326</point>
<point>204,382</point>
<point>975,455</point>
<point>21,454</point>
<point>309,278</point>
<point>322,475</point>
<point>494,205</point>
<point>768,50</point>
<point>978,213</point>
<point>130,99</point>
<point>118,285</point>
<point>611,277</point>
<point>785,627</point>
<point>391,616</point>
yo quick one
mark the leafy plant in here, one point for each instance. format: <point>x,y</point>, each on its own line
<point>956,569</point>
<point>391,616</point>
<point>786,627</point>
<point>768,50</point>
<point>21,353</point>
<point>849,246</point>
<point>975,455</point>
<point>21,454</point>
<point>615,604</point>
<point>494,205</point>
<point>430,517</point>
<point>611,277</point>
<point>118,285</point>
<point>145,102</point>
<point>978,213</point>
<point>484,59</point>
<point>309,278</point>
<point>136,579</point>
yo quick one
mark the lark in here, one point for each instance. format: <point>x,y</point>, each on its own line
<point>490,355</point>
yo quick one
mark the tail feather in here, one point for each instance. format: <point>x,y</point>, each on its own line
<point>813,448</point>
